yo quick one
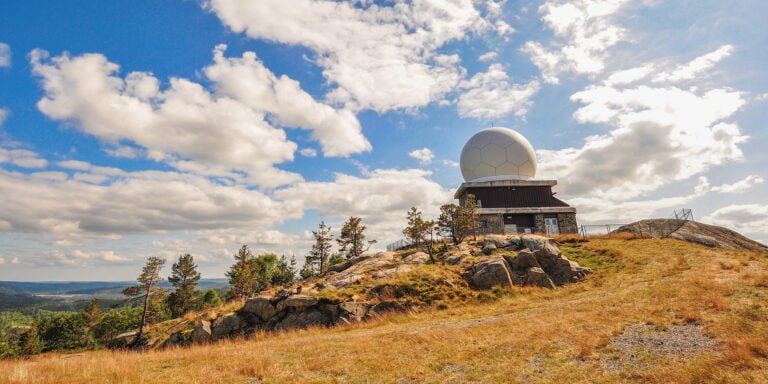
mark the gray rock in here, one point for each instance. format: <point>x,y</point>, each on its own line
<point>226,326</point>
<point>261,307</point>
<point>388,306</point>
<point>354,310</point>
<point>490,272</point>
<point>499,241</point>
<point>348,263</point>
<point>536,243</point>
<point>417,258</point>
<point>566,271</point>
<point>524,261</point>
<point>305,319</point>
<point>202,332</point>
<point>296,301</point>
<point>489,248</point>
<point>455,258</point>
<point>175,339</point>
<point>536,277</point>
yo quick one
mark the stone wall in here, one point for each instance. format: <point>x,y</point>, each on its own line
<point>567,223</point>
<point>538,223</point>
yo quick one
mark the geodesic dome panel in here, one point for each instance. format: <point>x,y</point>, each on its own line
<point>497,152</point>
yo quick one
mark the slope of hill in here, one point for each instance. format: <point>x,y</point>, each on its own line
<point>654,310</point>
<point>695,232</point>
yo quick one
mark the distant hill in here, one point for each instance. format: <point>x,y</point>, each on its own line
<point>694,232</point>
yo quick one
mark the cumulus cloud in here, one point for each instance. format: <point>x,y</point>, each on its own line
<point>226,130</point>
<point>491,95</point>
<point>750,219</point>
<point>740,186</point>
<point>381,197</point>
<point>130,202</point>
<point>658,135</point>
<point>78,257</point>
<point>21,158</point>
<point>584,30</point>
<point>5,55</point>
<point>423,155</point>
<point>247,79</point>
<point>378,56</point>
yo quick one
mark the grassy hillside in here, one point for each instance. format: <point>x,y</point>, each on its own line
<point>707,305</point>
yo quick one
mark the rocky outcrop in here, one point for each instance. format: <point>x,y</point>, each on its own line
<point>228,325</point>
<point>694,232</point>
<point>539,263</point>
<point>417,258</point>
<point>457,253</point>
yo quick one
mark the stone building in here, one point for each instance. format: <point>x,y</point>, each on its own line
<point>499,168</point>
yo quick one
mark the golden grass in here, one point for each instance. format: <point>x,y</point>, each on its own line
<point>525,335</point>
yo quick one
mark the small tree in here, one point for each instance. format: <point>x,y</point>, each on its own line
<point>418,229</point>
<point>352,238</point>
<point>29,341</point>
<point>240,274</point>
<point>448,222</point>
<point>468,215</point>
<point>211,299</point>
<point>317,260</point>
<point>184,277</point>
<point>285,272</point>
<point>149,277</point>
<point>92,313</point>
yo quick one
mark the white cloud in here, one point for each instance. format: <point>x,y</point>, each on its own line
<point>5,55</point>
<point>382,197</point>
<point>740,186</point>
<point>380,57</point>
<point>21,157</point>
<point>658,135</point>
<point>451,163</point>
<point>130,202</point>
<point>308,152</point>
<point>488,56</point>
<point>423,155</point>
<point>125,152</point>
<point>696,67</point>
<point>585,30</point>
<point>247,79</point>
<point>78,257</point>
<point>750,219</point>
<point>187,126</point>
<point>491,95</point>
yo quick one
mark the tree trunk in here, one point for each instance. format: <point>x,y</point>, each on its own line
<point>143,315</point>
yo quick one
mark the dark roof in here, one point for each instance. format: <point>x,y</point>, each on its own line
<point>515,197</point>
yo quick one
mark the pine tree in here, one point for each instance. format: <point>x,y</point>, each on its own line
<point>184,277</point>
<point>317,260</point>
<point>149,277</point>
<point>468,215</point>
<point>352,238</point>
<point>240,274</point>
<point>211,299</point>
<point>418,229</point>
<point>284,273</point>
<point>92,313</point>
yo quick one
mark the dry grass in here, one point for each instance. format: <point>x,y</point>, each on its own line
<point>524,335</point>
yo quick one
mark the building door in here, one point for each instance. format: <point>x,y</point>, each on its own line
<point>551,226</point>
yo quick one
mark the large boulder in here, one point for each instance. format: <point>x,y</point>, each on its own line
<point>354,310</point>
<point>227,325</point>
<point>457,253</point>
<point>499,241</point>
<point>536,277</point>
<point>489,248</point>
<point>524,260</point>
<point>566,271</point>
<point>417,258</point>
<point>201,333</point>
<point>347,263</point>
<point>296,302</point>
<point>260,307</point>
<point>175,340</point>
<point>491,272</point>
<point>304,319</point>
<point>536,243</point>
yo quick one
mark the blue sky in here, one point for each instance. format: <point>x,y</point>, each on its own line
<point>140,128</point>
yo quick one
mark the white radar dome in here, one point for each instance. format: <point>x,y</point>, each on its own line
<point>497,153</point>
